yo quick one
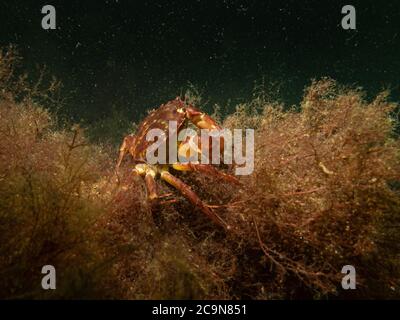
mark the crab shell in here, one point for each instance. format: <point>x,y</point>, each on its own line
<point>160,118</point>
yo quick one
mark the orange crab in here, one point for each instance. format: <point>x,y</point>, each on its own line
<point>136,145</point>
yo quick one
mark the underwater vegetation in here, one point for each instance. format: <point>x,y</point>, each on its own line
<point>324,193</point>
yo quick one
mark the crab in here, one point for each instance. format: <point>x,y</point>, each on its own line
<point>136,145</point>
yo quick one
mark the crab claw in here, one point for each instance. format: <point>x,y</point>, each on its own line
<point>201,119</point>
<point>204,121</point>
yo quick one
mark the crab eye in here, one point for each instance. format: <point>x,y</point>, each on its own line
<point>180,110</point>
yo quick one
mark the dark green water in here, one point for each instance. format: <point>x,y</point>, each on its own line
<point>133,55</point>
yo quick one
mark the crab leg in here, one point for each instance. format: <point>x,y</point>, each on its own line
<point>206,169</point>
<point>192,197</point>
<point>149,178</point>
<point>151,185</point>
<point>127,144</point>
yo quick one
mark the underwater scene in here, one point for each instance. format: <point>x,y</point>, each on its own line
<point>199,150</point>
